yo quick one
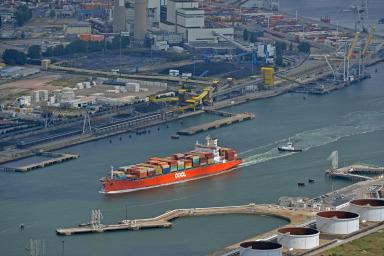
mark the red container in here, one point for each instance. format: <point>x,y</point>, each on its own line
<point>85,37</point>
<point>97,38</point>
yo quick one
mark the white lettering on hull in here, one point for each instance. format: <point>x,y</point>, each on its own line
<point>180,175</point>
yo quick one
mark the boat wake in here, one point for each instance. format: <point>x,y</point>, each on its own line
<point>354,123</point>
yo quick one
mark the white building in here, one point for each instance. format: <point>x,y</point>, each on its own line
<point>184,16</point>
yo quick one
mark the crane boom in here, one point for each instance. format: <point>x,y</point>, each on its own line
<point>369,40</point>
<point>353,44</point>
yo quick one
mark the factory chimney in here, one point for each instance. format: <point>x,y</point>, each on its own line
<point>140,26</point>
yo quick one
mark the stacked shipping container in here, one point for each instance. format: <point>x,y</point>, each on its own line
<point>177,162</point>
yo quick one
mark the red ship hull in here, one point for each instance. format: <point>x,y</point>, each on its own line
<point>123,186</point>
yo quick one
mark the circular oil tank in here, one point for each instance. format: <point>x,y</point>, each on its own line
<point>368,209</point>
<point>337,222</point>
<point>261,248</point>
<point>298,238</point>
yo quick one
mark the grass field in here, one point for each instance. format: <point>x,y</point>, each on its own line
<point>371,245</point>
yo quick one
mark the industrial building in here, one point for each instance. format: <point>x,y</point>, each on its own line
<point>261,248</point>
<point>298,238</point>
<point>124,18</point>
<point>185,16</point>
<point>368,209</point>
<point>337,222</point>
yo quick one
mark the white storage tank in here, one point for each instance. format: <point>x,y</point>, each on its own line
<point>337,222</point>
<point>261,248</point>
<point>368,209</point>
<point>298,238</point>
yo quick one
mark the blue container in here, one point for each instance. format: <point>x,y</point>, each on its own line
<point>166,170</point>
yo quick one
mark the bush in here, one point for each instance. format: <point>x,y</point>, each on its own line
<point>14,57</point>
<point>22,14</point>
<point>304,47</point>
<point>34,52</point>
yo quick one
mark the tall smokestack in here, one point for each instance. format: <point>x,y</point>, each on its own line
<point>140,19</point>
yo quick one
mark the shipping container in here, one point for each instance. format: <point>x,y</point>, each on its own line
<point>166,170</point>
<point>131,176</point>
<point>158,170</point>
<point>178,156</point>
<point>151,172</point>
<point>85,37</point>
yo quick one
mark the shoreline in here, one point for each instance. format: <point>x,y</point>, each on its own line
<point>84,138</point>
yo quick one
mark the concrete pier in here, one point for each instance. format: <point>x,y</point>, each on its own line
<point>164,220</point>
<point>56,158</point>
<point>217,123</point>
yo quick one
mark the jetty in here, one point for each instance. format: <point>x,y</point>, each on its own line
<point>233,118</point>
<point>355,172</point>
<point>55,158</point>
<point>295,217</point>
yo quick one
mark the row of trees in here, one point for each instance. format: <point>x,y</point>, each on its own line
<point>14,57</point>
<point>79,46</point>
<point>22,14</point>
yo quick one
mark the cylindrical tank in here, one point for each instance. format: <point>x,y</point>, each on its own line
<point>298,238</point>
<point>140,19</point>
<point>368,209</point>
<point>261,248</point>
<point>337,222</point>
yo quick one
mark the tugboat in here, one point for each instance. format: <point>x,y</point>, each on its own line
<point>289,148</point>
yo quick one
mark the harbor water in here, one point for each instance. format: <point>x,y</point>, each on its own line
<point>338,11</point>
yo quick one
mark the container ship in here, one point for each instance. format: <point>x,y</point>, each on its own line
<point>204,161</point>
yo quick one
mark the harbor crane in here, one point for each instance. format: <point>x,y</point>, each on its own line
<point>348,58</point>
<point>364,52</point>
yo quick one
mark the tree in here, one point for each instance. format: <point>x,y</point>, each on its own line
<point>58,50</point>
<point>253,38</point>
<point>245,35</point>
<point>282,46</point>
<point>14,57</point>
<point>52,14</point>
<point>304,47</point>
<point>34,52</point>
<point>48,52</point>
<point>290,47</point>
<point>22,14</point>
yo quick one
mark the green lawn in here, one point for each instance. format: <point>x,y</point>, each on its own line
<point>372,244</point>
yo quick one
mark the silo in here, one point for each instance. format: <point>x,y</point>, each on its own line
<point>368,209</point>
<point>298,238</point>
<point>261,248</point>
<point>337,222</point>
<point>140,19</point>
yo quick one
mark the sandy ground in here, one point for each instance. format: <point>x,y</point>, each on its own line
<point>11,90</point>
